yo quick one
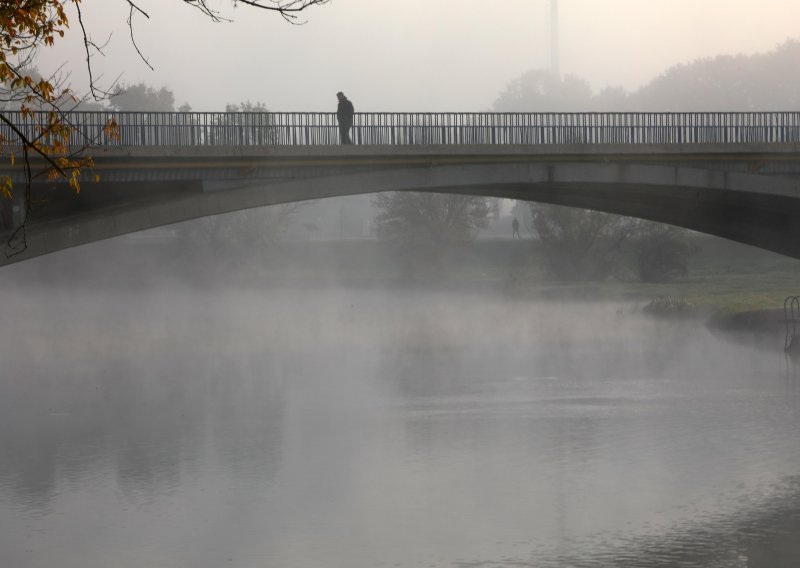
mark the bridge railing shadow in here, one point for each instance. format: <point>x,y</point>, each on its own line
<point>321,129</point>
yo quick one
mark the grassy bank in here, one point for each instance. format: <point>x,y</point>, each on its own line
<point>726,278</point>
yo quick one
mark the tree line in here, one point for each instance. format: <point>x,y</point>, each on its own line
<point>581,244</point>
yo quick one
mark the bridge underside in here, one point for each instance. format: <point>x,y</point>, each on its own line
<point>750,208</point>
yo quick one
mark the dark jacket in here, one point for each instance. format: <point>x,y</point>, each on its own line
<point>345,111</point>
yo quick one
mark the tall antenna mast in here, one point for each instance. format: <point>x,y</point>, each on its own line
<point>555,66</point>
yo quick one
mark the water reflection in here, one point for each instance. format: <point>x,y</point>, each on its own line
<point>761,533</point>
<point>148,420</point>
<point>361,428</point>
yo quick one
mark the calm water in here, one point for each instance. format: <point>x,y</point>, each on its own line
<point>363,428</point>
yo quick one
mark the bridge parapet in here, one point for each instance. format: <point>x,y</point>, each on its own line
<point>244,129</point>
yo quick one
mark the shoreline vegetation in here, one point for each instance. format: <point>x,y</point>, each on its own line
<point>728,285</point>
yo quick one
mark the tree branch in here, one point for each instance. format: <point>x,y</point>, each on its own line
<point>288,9</point>
<point>133,37</point>
<point>26,144</point>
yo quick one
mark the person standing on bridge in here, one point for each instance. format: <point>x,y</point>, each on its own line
<point>344,114</point>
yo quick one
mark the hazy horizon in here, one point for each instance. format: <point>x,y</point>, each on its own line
<point>414,56</point>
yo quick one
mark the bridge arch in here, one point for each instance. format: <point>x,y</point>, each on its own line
<point>750,208</point>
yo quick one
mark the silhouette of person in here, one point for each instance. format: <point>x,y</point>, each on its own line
<point>344,114</point>
<point>515,229</point>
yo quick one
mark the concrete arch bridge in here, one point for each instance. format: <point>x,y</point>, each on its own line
<point>735,175</point>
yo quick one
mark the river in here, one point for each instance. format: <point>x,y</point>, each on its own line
<point>174,428</point>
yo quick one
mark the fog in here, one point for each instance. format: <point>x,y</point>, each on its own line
<point>157,412</point>
<point>390,56</point>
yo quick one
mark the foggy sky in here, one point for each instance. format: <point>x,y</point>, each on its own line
<point>410,55</point>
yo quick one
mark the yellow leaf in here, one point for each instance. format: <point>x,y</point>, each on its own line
<point>6,186</point>
<point>74,183</point>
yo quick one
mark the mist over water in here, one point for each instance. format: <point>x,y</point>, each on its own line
<point>178,426</point>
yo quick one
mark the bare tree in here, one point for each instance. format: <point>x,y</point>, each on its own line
<point>431,218</point>
<point>661,252</point>
<point>578,243</point>
<point>422,228</point>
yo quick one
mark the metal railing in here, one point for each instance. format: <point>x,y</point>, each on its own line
<point>321,129</point>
